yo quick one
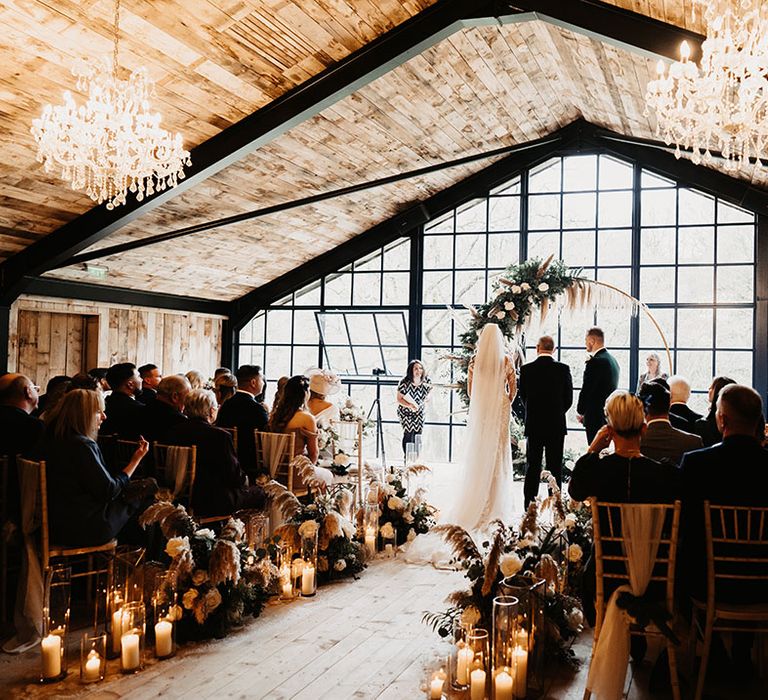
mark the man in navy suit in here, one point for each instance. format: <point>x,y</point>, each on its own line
<point>546,390</point>
<point>601,379</point>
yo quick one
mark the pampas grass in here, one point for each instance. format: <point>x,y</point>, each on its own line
<point>224,564</point>
<point>494,554</point>
<point>174,520</point>
<point>460,541</point>
<point>280,497</point>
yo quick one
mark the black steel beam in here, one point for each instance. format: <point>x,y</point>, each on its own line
<point>49,287</point>
<point>760,361</point>
<point>396,227</point>
<point>237,141</point>
<point>5,337</point>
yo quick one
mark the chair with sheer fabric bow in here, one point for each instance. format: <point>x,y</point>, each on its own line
<point>635,548</point>
<point>737,568</point>
<point>274,454</point>
<point>175,468</point>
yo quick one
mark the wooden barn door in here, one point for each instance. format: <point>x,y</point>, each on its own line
<point>55,343</point>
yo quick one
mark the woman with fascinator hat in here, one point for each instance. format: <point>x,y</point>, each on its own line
<point>322,384</point>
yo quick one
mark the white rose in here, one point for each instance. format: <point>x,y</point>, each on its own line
<point>525,286</point>
<point>499,315</point>
<point>341,460</point>
<point>308,529</point>
<point>575,553</point>
<point>340,565</point>
<point>387,531</point>
<point>408,518</point>
<point>411,535</point>
<point>396,504</point>
<point>509,305</point>
<point>570,521</point>
<point>387,489</point>
<point>543,287</point>
<point>470,616</point>
<point>575,619</point>
<point>213,599</point>
<point>205,534</point>
<point>510,564</point>
<point>199,577</point>
<point>177,546</point>
<point>391,478</point>
<point>515,289</point>
<point>189,598</point>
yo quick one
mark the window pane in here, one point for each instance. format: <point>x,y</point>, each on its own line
<point>397,361</point>
<point>614,247</point>
<point>728,214</point>
<point>736,244</point>
<point>579,173</point>
<point>694,328</point>
<point>436,327</point>
<point>503,248</point>
<point>305,327</point>
<point>657,245</point>
<point>279,326</point>
<point>442,225</point>
<point>579,247</point>
<point>252,355</point>
<point>438,252</point>
<point>573,328</point>
<point>511,187</point>
<point>277,361</point>
<point>615,325</point>
<point>470,251</point>
<point>304,358</point>
<point>546,177</point>
<point>470,287</point>
<point>504,214</point>
<point>438,287</point>
<point>338,290</point>
<point>647,179</point>
<point>309,296</point>
<point>333,328</point>
<point>544,211</point>
<point>393,328</point>
<point>736,365</point>
<point>542,245</point>
<point>695,366</point>
<point>649,335</point>
<point>696,245</point>
<point>367,359</point>
<point>658,207</point>
<point>579,210</point>
<point>735,328</point>
<point>614,209</point>
<point>398,256</point>
<point>614,174</point>
<point>657,285</point>
<point>472,217</point>
<point>695,285</point>
<point>369,264</point>
<point>618,277</point>
<point>362,330</point>
<point>695,208</point>
<point>367,290</point>
<point>735,284</point>
<point>339,359</point>
<point>396,288</point>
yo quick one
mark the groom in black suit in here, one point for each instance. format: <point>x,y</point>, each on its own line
<point>546,390</point>
<point>601,379</point>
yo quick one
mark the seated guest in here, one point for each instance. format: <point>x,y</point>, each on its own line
<point>150,378</point>
<point>224,386</point>
<point>321,385</point>
<point>84,381</point>
<point>100,375</point>
<point>680,395</point>
<point>625,476</point>
<point>195,379</point>
<point>708,475</point>
<point>243,412</point>
<point>289,415</point>
<point>54,390</point>
<point>125,415</point>
<point>86,505</point>
<point>706,427</point>
<point>661,441</point>
<point>221,486</point>
<point>280,386</point>
<point>221,370</point>
<point>166,411</point>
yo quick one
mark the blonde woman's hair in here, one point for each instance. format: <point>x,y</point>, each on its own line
<point>76,414</point>
<point>196,379</point>
<point>624,412</point>
<point>225,385</point>
<point>199,403</point>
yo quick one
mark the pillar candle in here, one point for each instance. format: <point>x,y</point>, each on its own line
<point>520,656</point>
<point>389,550</point>
<point>436,689</point>
<point>296,567</point>
<point>130,651</point>
<point>117,629</point>
<point>370,540</point>
<point>51,649</point>
<point>308,580</point>
<point>504,685</point>
<point>477,684</point>
<point>287,590</point>
<point>463,661</point>
<point>92,670</point>
<point>164,638</point>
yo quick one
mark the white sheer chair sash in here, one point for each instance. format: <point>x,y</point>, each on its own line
<point>274,445</point>
<point>29,606</point>
<point>641,528</point>
<point>177,466</point>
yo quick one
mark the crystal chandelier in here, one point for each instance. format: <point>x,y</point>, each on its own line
<point>112,143</point>
<point>722,105</point>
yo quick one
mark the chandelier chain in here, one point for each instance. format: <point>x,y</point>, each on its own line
<point>115,57</point>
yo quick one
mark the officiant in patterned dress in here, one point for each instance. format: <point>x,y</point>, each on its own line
<point>412,393</point>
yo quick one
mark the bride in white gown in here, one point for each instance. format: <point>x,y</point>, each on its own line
<point>485,490</point>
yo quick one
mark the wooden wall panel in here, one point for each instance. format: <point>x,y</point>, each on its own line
<point>49,336</point>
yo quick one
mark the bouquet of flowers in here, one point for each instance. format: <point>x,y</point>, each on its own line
<point>339,555</point>
<point>218,579</point>
<point>408,515</point>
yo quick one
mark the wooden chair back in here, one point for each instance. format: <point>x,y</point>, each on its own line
<point>233,433</point>
<point>611,561</point>
<point>3,540</point>
<point>175,468</point>
<point>274,454</point>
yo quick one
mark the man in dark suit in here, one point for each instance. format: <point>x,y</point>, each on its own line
<point>167,410</point>
<point>601,378</point>
<point>546,390</point>
<point>150,378</point>
<point>680,394</point>
<point>661,441</point>
<point>246,414</point>
<point>125,415</point>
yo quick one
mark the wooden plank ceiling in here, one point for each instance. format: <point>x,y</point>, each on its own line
<point>480,89</point>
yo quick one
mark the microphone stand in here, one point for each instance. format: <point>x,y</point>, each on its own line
<point>379,425</point>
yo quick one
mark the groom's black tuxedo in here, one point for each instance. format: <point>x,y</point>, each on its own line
<point>546,390</point>
<point>601,378</point>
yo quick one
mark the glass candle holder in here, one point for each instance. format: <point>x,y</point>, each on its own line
<point>461,656</point>
<point>309,564</point>
<point>115,602</point>
<point>128,572</point>
<point>371,528</point>
<point>503,642</point>
<point>133,637</point>
<point>437,684</point>
<point>389,546</point>
<point>256,527</point>
<point>166,613</point>
<point>53,646</point>
<point>93,657</point>
<point>478,643</point>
